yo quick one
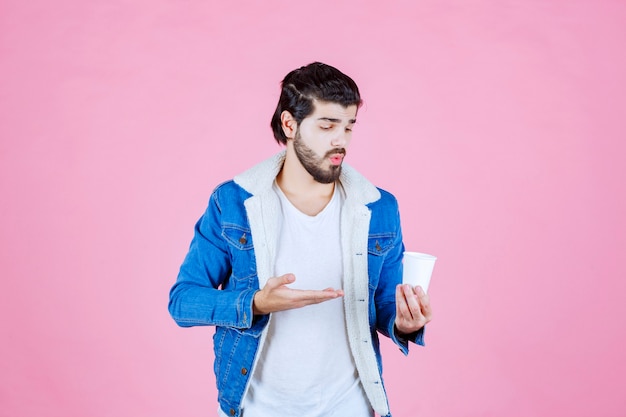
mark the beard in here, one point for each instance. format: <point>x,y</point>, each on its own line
<point>314,164</point>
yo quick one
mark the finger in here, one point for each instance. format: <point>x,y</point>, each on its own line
<point>402,308</point>
<point>399,299</point>
<point>419,291</point>
<point>424,301</point>
<point>306,297</point>
<point>412,302</point>
<point>338,291</point>
<point>276,282</point>
<point>405,321</point>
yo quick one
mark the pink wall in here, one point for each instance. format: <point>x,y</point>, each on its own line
<point>498,125</point>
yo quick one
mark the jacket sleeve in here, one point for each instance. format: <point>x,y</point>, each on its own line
<point>196,298</point>
<point>385,295</point>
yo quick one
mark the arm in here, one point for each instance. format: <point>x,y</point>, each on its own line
<point>204,295</point>
<point>401,312</point>
<point>195,299</point>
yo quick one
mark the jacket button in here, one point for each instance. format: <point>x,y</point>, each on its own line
<point>243,239</point>
<point>244,371</point>
<point>378,248</point>
<point>232,412</point>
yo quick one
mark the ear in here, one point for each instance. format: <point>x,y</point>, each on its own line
<point>289,124</point>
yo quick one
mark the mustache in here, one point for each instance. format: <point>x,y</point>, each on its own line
<point>335,152</point>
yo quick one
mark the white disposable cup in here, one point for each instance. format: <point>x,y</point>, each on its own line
<point>418,268</point>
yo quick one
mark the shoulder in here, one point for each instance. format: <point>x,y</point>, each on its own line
<point>229,192</point>
<point>386,196</point>
<point>229,186</point>
<point>259,178</point>
<point>385,215</point>
<point>387,201</point>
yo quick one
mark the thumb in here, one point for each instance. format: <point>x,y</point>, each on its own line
<point>281,280</point>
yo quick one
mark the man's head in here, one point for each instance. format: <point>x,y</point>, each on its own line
<point>314,82</point>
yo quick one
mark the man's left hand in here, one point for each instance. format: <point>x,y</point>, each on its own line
<point>412,308</point>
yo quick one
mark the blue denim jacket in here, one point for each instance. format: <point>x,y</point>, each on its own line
<point>231,257</point>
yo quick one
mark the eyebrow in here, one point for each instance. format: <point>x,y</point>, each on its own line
<point>332,120</point>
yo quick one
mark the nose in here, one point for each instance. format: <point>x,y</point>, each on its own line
<point>341,139</point>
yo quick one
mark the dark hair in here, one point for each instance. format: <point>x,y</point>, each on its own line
<point>315,81</point>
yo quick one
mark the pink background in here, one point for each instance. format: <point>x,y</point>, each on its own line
<point>497,124</point>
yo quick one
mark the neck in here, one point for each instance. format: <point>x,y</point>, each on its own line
<point>308,195</point>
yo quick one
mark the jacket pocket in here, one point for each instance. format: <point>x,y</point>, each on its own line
<point>242,257</point>
<point>379,244</point>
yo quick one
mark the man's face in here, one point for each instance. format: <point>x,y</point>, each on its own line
<point>321,140</point>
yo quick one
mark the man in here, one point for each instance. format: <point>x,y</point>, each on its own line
<point>298,264</point>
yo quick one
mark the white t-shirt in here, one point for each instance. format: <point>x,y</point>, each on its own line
<point>306,368</point>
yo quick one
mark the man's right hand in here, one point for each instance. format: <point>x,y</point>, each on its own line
<point>277,296</point>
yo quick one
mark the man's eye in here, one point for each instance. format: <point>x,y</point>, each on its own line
<point>325,127</point>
